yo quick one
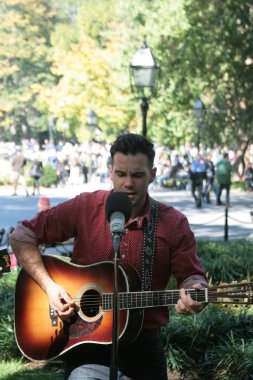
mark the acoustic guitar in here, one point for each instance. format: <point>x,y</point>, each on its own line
<point>41,335</point>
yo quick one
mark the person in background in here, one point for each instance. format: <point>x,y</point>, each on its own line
<point>44,204</point>
<point>197,176</point>
<point>36,172</point>
<point>84,168</point>
<point>209,180</point>
<point>248,175</point>
<point>18,166</point>
<point>84,219</point>
<point>223,176</point>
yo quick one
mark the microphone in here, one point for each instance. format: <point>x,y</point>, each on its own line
<point>118,209</point>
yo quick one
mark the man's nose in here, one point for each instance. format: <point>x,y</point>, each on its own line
<point>128,181</point>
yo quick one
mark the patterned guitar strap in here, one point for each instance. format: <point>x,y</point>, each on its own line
<point>148,249</point>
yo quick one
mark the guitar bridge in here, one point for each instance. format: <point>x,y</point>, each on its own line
<point>53,316</point>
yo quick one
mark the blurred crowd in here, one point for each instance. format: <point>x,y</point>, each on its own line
<point>206,173</point>
<point>73,163</point>
<point>186,167</point>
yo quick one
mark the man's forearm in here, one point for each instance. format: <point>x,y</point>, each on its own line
<point>29,257</point>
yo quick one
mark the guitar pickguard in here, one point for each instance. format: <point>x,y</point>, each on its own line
<point>77,328</point>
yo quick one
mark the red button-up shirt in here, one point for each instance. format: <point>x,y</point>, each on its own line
<point>83,218</point>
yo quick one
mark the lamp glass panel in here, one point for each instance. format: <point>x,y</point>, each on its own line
<point>144,77</point>
<point>92,118</point>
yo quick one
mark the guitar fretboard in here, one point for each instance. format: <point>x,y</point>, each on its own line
<point>135,300</point>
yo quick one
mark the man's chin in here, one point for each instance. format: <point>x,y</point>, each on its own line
<point>132,197</point>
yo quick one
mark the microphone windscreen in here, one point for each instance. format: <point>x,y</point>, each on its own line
<point>118,201</point>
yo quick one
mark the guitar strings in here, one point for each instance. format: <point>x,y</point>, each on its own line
<point>215,294</point>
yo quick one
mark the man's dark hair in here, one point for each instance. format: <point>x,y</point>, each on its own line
<point>132,143</point>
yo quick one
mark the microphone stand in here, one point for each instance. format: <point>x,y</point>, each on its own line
<point>115,338</point>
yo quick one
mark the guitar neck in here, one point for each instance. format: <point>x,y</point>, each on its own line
<point>157,298</point>
<point>136,300</point>
<point>224,294</point>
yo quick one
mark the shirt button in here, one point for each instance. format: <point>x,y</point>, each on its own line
<point>123,257</point>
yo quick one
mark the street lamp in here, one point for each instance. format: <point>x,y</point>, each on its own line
<point>198,108</point>
<point>144,71</point>
<point>92,122</point>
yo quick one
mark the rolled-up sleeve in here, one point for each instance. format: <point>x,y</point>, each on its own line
<point>24,235</point>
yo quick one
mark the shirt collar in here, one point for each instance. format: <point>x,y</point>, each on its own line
<point>145,216</point>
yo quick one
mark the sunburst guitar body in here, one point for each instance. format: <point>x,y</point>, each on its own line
<point>41,335</point>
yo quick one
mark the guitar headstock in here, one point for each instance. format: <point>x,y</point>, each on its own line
<point>5,262</point>
<point>234,293</point>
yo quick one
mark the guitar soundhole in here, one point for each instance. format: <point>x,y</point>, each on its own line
<point>91,303</point>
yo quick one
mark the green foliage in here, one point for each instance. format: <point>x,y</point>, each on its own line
<point>226,261</point>
<point>239,185</point>
<point>49,176</point>
<point>18,370</point>
<point>220,36</point>
<point>25,63</point>
<point>236,360</point>
<point>58,58</point>
<point>214,344</point>
<point>217,343</point>
<point>8,347</point>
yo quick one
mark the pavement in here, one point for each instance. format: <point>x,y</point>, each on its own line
<point>207,223</point>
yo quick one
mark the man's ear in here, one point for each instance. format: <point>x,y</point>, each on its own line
<point>153,174</point>
<point>110,171</point>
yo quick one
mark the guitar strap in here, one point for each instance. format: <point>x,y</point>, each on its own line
<point>148,249</point>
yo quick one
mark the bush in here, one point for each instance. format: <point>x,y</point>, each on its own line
<point>8,347</point>
<point>215,344</point>
<point>241,185</point>
<point>226,261</point>
<point>49,177</point>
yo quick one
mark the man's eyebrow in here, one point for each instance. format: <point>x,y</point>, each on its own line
<point>138,171</point>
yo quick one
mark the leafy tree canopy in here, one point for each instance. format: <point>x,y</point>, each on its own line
<point>58,58</point>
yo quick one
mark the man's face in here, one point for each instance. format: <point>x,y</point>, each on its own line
<point>132,175</point>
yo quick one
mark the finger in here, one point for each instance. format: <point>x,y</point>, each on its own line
<point>185,301</point>
<point>67,302</point>
<point>66,297</point>
<point>181,308</point>
<point>193,305</point>
<point>184,310</point>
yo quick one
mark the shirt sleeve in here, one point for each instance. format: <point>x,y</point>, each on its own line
<point>57,224</point>
<point>192,280</point>
<point>24,235</point>
<point>186,266</point>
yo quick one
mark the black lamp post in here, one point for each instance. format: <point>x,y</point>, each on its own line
<point>65,126</point>
<point>92,122</point>
<point>51,130</point>
<point>144,71</point>
<point>198,108</point>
